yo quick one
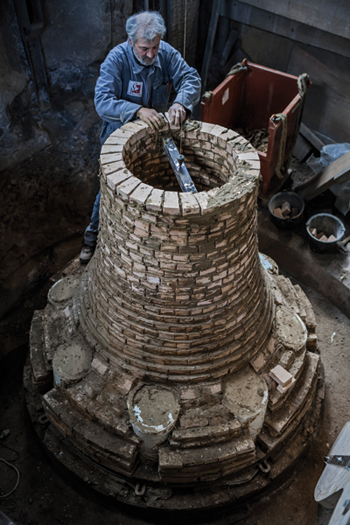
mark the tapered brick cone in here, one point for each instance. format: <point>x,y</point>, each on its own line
<point>177,323</point>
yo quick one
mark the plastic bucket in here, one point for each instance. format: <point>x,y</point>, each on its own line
<point>295,201</point>
<point>330,225</point>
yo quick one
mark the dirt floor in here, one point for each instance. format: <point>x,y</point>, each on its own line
<point>45,497</point>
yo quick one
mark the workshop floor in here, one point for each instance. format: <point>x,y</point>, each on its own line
<point>44,497</point>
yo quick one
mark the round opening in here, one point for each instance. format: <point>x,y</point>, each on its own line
<point>63,289</point>
<point>246,396</point>
<point>291,329</point>
<point>153,410</point>
<point>71,362</point>
<point>208,165</point>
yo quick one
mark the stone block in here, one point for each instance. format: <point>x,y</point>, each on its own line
<point>92,385</point>
<point>155,200</point>
<point>41,374</point>
<point>125,189</point>
<point>119,138</point>
<point>171,204</point>
<point>134,127</point>
<point>112,167</point>
<point>99,366</point>
<point>205,128</point>
<point>117,178</point>
<point>248,156</point>
<point>218,130</point>
<point>141,194</point>
<point>281,376</point>
<point>108,158</point>
<point>141,124</point>
<point>189,204</point>
<point>169,459</point>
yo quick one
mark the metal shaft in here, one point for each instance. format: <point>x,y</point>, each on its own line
<point>177,163</point>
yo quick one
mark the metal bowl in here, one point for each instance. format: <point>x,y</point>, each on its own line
<point>330,225</point>
<point>295,201</point>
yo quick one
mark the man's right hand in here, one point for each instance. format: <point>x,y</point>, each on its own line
<point>151,117</point>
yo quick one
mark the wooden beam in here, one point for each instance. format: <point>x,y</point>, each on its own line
<point>302,149</point>
<point>229,46</point>
<point>210,42</point>
<point>311,137</point>
<point>336,173</point>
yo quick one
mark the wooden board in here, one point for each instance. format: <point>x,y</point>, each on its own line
<point>229,45</point>
<point>302,149</point>
<point>210,42</point>
<point>311,137</point>
<point>327,105</point>
<point>283,26</point>
<point>337,172</point>
<point>339,65</point>
<point>335,478</point>
<point>307,143</point>
<point>265,48</point>
<point>333,17</point>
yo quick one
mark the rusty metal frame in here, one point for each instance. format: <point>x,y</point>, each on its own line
<point>253,97</point>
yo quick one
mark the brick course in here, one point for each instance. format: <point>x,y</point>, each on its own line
<point>175,294</point>
<point>182,273</point>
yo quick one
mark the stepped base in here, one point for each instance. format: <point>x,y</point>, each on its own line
<point>145,490</point>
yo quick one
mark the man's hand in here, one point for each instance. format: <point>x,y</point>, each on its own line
<point>151,117</point>
<point>177,114</point>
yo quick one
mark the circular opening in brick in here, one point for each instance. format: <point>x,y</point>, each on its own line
<point>210,165</point>
<point>291,329</point>
<point>70,363</point>
<point>246,395</point>
<point>63,289</point>
<point>153,413</point>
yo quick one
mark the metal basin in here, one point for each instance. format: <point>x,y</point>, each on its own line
<point>330,225</point>
<point>287,223</point>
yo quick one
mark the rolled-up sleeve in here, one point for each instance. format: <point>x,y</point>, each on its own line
<point>109,87</point>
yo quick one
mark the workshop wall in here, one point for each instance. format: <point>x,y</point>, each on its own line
<point>49,131</point>
<point>184,14</point>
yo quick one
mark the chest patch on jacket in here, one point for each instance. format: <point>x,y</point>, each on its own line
<point>135,88</point>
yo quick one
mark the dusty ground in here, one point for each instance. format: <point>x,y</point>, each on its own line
<point>45,497</point>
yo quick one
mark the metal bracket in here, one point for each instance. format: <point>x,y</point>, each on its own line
<point>140,489</point>
<point>264,466</point>
<point>340,461</point>
<point>177,163</point>
<point>43,420</point>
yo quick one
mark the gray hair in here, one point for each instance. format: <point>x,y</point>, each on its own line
<point>146,25</point>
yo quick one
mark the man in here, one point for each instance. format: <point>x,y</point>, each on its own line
<point>136,82</point>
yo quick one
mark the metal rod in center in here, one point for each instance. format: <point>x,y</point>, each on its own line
<point>177,163</point>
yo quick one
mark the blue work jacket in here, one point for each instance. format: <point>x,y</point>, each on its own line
<point>124,85</point>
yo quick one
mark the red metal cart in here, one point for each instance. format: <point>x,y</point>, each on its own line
<point>256,97</point>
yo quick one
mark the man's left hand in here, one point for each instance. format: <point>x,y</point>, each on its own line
<point>177,114</point>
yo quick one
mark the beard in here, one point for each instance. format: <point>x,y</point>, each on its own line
<point>143,61</point>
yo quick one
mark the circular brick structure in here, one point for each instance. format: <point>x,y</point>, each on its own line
<point>177,288</point>
<point>178,305</point>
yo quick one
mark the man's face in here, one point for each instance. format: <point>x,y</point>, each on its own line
<point>146,52</point>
